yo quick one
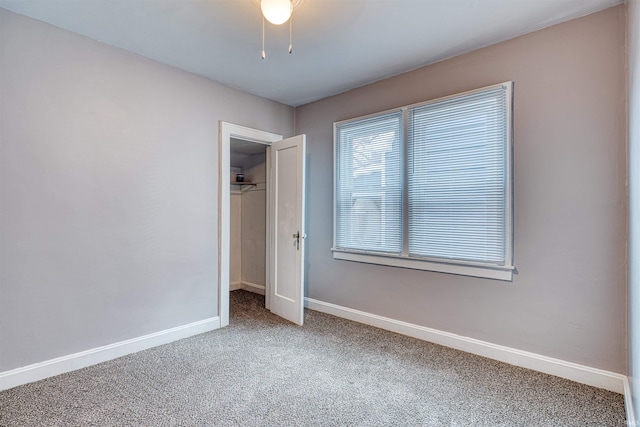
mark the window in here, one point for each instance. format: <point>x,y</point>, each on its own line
<point>428,186</point>
<point>369,198</point>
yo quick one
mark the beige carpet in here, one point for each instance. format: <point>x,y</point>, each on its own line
<point>263,371</point>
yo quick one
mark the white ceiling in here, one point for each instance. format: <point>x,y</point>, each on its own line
<point>337,44</point>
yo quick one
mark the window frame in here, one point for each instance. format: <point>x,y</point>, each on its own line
<point>402,131</point>
<point>459,267</point>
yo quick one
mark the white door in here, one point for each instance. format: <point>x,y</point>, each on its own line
<point>286,296</point>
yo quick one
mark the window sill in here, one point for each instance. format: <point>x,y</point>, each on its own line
<point>488,272</point>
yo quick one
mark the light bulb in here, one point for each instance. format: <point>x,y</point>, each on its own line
<point>276,11</point>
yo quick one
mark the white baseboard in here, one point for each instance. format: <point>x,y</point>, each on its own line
<point>71,362</point>
<point>252,287</point>
<point>628,404</point>
<point>247,286</point>
<point>579,373</point>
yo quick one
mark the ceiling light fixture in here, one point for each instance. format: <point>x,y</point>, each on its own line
<point>278,12</point>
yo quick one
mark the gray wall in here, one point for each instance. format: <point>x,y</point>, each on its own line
<point>633,49</point>
<point>108,195</point>
<point>254,215</point>
<point>567,300</point>
<point>235,237</point>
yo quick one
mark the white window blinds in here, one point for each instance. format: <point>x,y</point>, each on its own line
<point>457,178</point>
<point>429,186</point>
<point>368,204</point>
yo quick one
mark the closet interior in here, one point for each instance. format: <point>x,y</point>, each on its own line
<point>248,208</point>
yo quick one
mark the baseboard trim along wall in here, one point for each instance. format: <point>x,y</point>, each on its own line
<point>579,373</point>
<point>628,403</point>
<point>71,362</point>
<point>253,287</point>
<point>247,286</point>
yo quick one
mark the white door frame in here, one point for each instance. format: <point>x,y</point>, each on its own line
<point>226,132</point>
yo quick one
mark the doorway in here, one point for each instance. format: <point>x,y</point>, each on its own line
<point>248,209</point>
<point>285,225</point>
<point>229,131</point>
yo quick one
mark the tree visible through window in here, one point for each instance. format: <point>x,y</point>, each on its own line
<point>370,201</point>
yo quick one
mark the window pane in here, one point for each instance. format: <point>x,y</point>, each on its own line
<point>457,163</point>
<point>369,184</point>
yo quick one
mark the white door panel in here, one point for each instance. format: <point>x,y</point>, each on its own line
<point>287,228</point>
